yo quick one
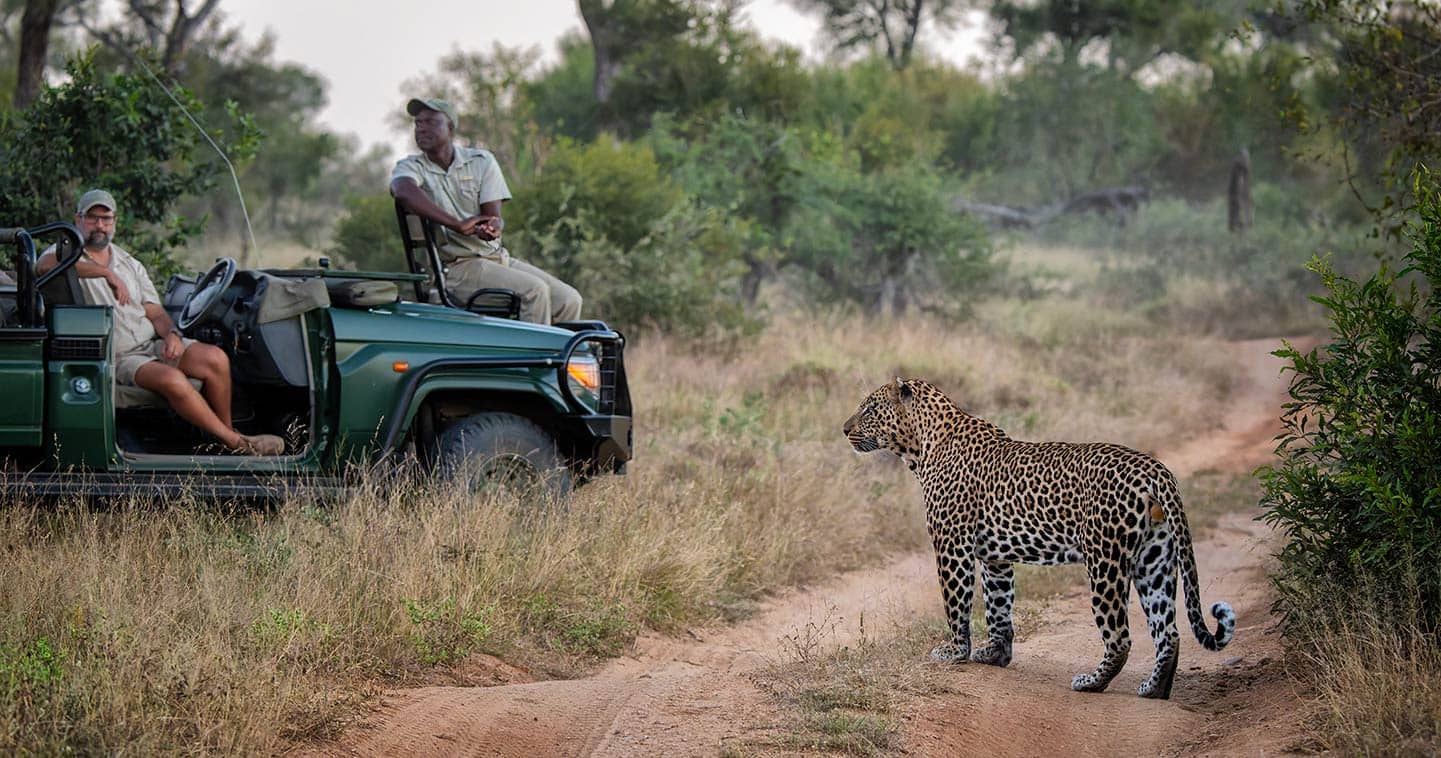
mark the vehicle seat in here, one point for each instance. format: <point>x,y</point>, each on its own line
<point>8,306</point>
<point>64,289</point>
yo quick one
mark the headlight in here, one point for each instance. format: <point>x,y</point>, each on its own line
<point>583,373</point>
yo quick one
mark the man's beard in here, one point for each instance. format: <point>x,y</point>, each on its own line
<point>98,240</point>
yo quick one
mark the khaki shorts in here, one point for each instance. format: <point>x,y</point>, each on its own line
<point>128,363</point>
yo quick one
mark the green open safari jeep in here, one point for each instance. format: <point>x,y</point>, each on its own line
<point>351,369</point>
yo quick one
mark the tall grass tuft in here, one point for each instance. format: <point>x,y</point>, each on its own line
<point>1372,659</point>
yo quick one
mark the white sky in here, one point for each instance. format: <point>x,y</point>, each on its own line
<point>366,49</point>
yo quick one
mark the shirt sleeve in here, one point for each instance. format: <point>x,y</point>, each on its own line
<point>408,168</point>
<point>492,183</point>
<point>141,277</point>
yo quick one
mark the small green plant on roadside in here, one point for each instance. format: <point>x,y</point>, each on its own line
<point>601,632</point>
<point>852,733</point>
<point>746,420</point>
<point>844,699</point>
<point>276,626</point>
<point>32,687</point>
<point>31,671</point>
<point>443,633</point>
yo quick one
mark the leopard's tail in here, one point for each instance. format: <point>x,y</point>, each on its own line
<point>1169,495</point>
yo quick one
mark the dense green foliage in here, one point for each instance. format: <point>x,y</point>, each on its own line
<point>1379,75</point>
<point>605,217</point>
<point>119,132</point>
<point>1358,489</point>
<point>367,236</point>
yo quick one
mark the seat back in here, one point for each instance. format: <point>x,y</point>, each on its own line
<point>422,255</point>
<point>64,289</point>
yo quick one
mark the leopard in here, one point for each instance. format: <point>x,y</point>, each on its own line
<point>993,501</point>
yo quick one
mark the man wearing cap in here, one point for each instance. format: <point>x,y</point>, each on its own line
<point>148,350</point>
<point>461,189</point>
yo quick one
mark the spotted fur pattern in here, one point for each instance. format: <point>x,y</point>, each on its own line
<point>992,502</point>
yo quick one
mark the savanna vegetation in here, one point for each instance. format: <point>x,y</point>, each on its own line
<point>1058,239</point>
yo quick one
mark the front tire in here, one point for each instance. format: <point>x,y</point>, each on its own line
<point>503,452</point>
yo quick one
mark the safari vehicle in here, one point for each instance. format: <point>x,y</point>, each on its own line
<point>351,369</point>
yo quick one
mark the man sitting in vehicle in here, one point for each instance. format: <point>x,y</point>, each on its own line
<point>461,189</point>
<point>149,352</point>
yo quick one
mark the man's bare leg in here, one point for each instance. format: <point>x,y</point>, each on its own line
<point>211,366</point>
<point>171,384</point>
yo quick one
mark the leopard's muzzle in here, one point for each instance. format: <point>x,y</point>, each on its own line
<point>858,440</point>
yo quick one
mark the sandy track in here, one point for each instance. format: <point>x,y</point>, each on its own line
<point>691,697</point>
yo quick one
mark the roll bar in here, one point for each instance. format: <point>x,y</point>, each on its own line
<point>27,283</point>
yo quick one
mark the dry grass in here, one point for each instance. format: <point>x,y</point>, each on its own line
<point>1374,664</point>
<point>844,700</point>
<point>184,628</point>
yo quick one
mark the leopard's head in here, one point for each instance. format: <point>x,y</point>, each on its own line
<point>883,422</point>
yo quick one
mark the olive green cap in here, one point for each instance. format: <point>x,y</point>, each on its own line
<point>93,198</point>
<point>416,105</point>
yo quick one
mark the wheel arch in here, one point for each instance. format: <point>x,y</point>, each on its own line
<point>436,408</point>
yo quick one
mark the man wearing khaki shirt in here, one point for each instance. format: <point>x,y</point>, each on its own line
<point>143,357</point>
<point>461,189</point>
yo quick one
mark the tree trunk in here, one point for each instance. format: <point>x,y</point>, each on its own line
<point>34,44</point>
<point>892,298</point>
<point>1240,211</point>
<point>182,32</point>
<point>597,24</point>
<point>751,281</point>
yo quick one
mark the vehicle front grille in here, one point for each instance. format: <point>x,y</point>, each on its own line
<point>608,362</point>
<point>614,394</point>
<point>77,349</point>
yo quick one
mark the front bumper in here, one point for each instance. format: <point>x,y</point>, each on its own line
<point>610,447</point>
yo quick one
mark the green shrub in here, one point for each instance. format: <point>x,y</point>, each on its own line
<point>366,237</point>
<point>606,218</point>
<point>1358,489</point>
<point>889,240</point>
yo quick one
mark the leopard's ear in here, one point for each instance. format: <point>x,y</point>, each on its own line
<point>903,390</point>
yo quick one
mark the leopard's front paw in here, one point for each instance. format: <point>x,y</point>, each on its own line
<point>993,653</point>
<point>950,652</point>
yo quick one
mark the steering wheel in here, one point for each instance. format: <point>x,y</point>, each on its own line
<point>206,296</point>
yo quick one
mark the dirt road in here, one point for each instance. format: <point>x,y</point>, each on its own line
<point>694,696</point>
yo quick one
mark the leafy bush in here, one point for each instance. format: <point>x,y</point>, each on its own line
<point>889,240</point>
<point>120,132</point>
<point>367,238</point>
<point>605,218</point>
<point>1358,490</point>
<point>619,184</point>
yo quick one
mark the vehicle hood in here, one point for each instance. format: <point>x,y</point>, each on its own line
<point>420,324</point>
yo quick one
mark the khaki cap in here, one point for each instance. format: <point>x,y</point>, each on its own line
<point>417,104</point>
<point>93,198</point>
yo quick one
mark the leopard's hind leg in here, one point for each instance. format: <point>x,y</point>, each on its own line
<point>1110,591</point>
<point>1155,578</point>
